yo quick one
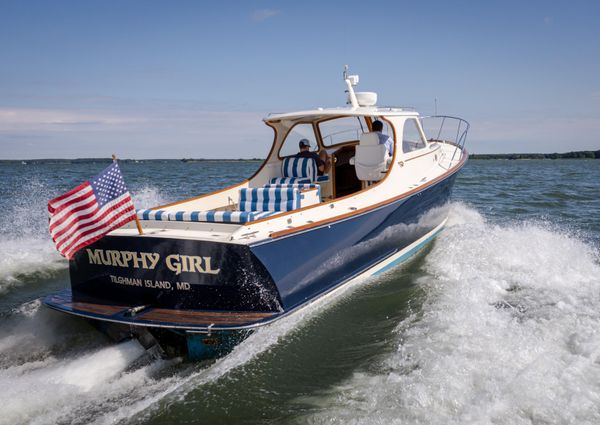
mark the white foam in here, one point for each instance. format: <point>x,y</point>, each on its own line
<point>257,343</point>
<point>147,197</point>
<point>24,257</point>
<point>53,369</point>
<point>25,244</point>
<point>509,333</point>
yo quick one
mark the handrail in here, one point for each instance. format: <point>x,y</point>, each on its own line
<point>462,128</point>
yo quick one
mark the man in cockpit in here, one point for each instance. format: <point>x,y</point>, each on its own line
<point>305,152</point>
<point>384,139</point>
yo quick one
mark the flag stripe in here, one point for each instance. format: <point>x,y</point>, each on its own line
<point>83,217</point>
<point>63,199</point>
<point>99,234</point>
<point>81,211</point>
<point>80,237</point>
<point>79,203</point>
<point>58,229</point>
<point>101,216</point>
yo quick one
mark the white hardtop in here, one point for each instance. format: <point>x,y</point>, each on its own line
<point>315,114</point>
<point>360,104</point>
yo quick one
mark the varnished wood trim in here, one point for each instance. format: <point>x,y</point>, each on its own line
<point>451,171</point>
<point>202,317</point>
<point>105,310</point>
<point>288,132</point>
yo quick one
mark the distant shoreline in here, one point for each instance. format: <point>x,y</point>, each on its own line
<point>510,156</point>
<point>513,156</point>
<point>124,160</point>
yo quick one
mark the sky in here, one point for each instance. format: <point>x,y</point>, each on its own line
<point>193,79</point>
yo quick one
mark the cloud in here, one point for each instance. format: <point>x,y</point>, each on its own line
<point>264,14</point>
<point>145,133</point>
<point>12,119</point>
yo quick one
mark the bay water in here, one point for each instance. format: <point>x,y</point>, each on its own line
<point>497,321</point>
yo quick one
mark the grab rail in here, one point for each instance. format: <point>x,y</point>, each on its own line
<point>446,133</point>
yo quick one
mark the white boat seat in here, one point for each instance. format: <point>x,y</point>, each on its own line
<point>371,159</point>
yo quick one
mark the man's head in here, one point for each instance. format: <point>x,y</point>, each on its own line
<point>304,145</point>
<point>377,125</point>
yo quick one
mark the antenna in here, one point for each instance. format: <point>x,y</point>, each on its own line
<point>351,80</point>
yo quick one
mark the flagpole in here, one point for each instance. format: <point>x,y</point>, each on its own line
<point>137,220</point>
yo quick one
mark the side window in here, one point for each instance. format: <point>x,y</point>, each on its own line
<point>297,133</point>
<point>411,136</point>
<point>342,130</point>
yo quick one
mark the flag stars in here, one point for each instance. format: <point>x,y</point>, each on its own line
<point>109,185</point>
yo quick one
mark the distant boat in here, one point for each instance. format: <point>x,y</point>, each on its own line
<point>211,269</point>
<point>23,162</point>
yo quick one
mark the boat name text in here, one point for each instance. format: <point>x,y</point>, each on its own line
<point>177,263</point>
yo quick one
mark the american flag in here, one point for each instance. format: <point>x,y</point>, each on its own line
<point>91,210</point>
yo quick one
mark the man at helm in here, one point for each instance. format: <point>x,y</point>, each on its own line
<point>384,139</point>
<point>305,152</point>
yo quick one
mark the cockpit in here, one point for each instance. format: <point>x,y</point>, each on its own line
<point>341,141</point>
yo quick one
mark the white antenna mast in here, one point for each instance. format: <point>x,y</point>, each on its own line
<point>351,81</point>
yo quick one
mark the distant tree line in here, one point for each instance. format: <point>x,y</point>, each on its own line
<point>567,155</point>
<point>124,160</point>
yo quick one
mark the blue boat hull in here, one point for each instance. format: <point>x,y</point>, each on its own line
<point>307,264</point>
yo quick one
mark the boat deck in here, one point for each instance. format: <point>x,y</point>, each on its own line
<point>197,320</point>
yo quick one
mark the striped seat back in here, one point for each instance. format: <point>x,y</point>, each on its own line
<point>299,167</point>
<point>289,180</point>
<point>301,186</point>
<point>269,199</point>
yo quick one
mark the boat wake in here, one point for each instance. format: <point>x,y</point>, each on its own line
<point>509,333</point>
<point>28,253</point>
<point>56,369</point>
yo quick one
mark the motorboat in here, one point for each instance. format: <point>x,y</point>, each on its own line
<point>209,270</point>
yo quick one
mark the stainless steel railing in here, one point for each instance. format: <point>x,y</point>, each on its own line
<point>448,129</point>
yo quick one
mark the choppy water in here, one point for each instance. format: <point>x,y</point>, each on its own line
<point>497,322</point>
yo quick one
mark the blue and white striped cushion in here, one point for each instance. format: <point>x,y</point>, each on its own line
<point>208,216</point>
<point>161,215</point>
<point>269,199</point>
<point>300,186</point>
<point>299,167</point>
<point>218,216</point>
<point>289,180</point>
